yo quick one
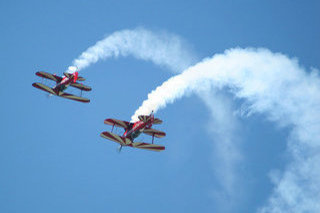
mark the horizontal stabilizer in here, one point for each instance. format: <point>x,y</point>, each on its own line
<point>157,121</point>
<point>154,132</point>
<point>145,118</point>
<point>81,78</point>
<point>147,146</point>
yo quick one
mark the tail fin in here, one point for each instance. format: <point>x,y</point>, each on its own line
<point>152,116</point>
<point>75,77</point>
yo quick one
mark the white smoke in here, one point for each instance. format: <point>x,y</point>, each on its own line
<point>224,128</point>
<point>170,51</point>
<point>161,48</point>
<point>277,86</point>
<point>270,83</point>
<point>72,69</point>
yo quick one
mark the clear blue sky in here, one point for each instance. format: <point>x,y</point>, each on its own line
<point>52,158</point>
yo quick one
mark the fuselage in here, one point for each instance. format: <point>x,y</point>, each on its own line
<point>63,84</point>
<point>137,128</point>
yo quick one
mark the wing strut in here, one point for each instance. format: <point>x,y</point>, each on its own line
<point>152,137</point>
<point>112,127</point>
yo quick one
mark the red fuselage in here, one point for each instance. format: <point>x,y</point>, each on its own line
<point>138,127</point>
<point>65,82</point>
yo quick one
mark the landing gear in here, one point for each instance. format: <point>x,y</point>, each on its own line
<point>119,148</point>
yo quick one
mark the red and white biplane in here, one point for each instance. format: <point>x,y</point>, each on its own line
<point>133,130</point>
<point>62,83</point>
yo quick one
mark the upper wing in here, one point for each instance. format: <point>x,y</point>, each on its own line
<point>154,132</point>
<point>69,76</point>
<point>148,146</point>
<point>49,76</point>
<point>116,122</point>
<point>44,88</point>
<point>61,94</point>
<point>81,86</point>
<point>73,97</point>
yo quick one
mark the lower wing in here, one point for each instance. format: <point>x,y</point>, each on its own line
<point>127,142</point>
<point>116,138</point>
<point>147,146</point>
<point>44,88</point>
<point>73,97</point>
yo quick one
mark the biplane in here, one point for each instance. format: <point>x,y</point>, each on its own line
<point>62,83</point>
<point>133,130</point>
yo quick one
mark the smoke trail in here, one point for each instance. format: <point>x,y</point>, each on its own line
<point>170,51</point>
<point>277,86</point>
<point>224,128</point>
<point>271,84</point>
<point>161,48</point>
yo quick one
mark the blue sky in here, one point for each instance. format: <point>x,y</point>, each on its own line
<point>51,155</point>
